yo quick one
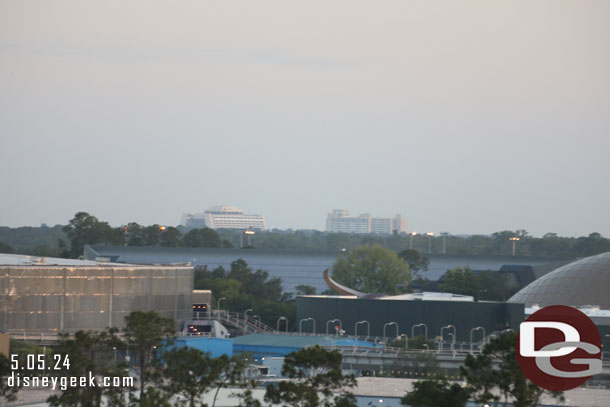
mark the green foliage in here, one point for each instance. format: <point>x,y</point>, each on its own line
<point>228,371</point>
<point>316,376</point>
<point>6,392</point>
<point>305,290</point>
<point>415,260</point>
<point>372,269</point>
<point>189,373</point>
<point>482,286</point>
<point>495,374</point>
<point>88,352</point>
<point>5,248</point>
<point>436,393</point>
<point>87,229</point>
<point>414,343</point>
<point>44,240</point>
<point>205,237</point>
<point>146,333</point>
<point>244,289</point>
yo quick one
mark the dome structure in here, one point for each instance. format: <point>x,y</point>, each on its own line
<point>581,283</point>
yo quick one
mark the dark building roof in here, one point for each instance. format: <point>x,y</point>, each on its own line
<point>583,282</point>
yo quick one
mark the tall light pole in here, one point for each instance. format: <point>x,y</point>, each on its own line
<point>429,234</point>
<point>307,319</point>
<point>418,325</point>
<point>278,323</point>
<point>249,233</point>
<point>478,328</point>
<point>334,320</point>
<point>411,239</point>
<point>219,300</point>
<point>368,328</point>
<point>389,324</point>
<point>514,240</point>
<point>442,329</point>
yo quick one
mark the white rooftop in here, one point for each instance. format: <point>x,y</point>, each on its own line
<point>23,260</point>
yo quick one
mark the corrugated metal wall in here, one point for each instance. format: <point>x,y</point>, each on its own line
<point>61,298</point>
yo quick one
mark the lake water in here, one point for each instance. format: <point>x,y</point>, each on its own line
<point>293,268</point>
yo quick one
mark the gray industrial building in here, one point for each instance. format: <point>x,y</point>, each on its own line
<point>48,295</point>
<point>433,310</point>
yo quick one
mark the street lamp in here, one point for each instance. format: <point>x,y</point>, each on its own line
<point>478,328</point>
<point>418,325</point>
<point>388,324</point>
<point>258,319</point>
<point>278,323</point>
<point>248,233</point>
<point>368,328</point>
<point>219,300</point>
<point>447,327</point>
<point>307,319</point>
<point>411,239</point>
<point>429,234</point>
<point>452,341</point>
<point>334,320</point>
<point>514,240</point>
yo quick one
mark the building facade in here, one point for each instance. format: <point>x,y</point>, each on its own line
<point>224,217</point>
<point>340,220</point>
<point>49,295</point>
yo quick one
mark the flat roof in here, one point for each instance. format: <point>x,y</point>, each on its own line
<point>37,261</point>
<point>295,341</point>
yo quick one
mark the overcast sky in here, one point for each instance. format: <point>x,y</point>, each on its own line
<point>466,117</point>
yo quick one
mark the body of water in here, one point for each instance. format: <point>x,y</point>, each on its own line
<point>293,268</point>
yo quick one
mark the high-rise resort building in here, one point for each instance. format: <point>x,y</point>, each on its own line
<point>224,217</point>
<point>339,220</point>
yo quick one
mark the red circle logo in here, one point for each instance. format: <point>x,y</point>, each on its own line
<point>559,348</point>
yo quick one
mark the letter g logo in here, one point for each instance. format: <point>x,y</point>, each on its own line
<point>559,348</point>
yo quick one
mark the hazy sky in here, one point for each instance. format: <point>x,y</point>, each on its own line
<point>464,116</point>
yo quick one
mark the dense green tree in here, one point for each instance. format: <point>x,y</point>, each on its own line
<point>5,248</point>
<point>244,289</point>
<point>205,237</point>
<point>228,371</point>
<point>416,261</point>
<point>372,269</point>
<point>305,290</point>
<point>170,237</point>
<point>436,393</point>
<point>316,379</point>
<point>482,285</point>
<point>146,332</point>
<point>590,245</point>
<point>7,393</point>
<point>189,373</point>
<point>495,375</point>
<point>86,352</point>
<point>87,229</point>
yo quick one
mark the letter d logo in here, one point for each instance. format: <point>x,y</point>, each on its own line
<point>558,348</point>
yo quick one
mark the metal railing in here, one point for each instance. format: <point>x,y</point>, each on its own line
<point>243,322</point>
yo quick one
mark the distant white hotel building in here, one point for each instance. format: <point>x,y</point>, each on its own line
<point>224,217</point>
<point>339,220</point>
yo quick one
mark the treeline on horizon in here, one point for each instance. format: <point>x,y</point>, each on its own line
<point>69,240</point>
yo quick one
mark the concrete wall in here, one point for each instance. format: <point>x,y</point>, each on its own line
<point>493,316</point>
<point>67,298</point>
